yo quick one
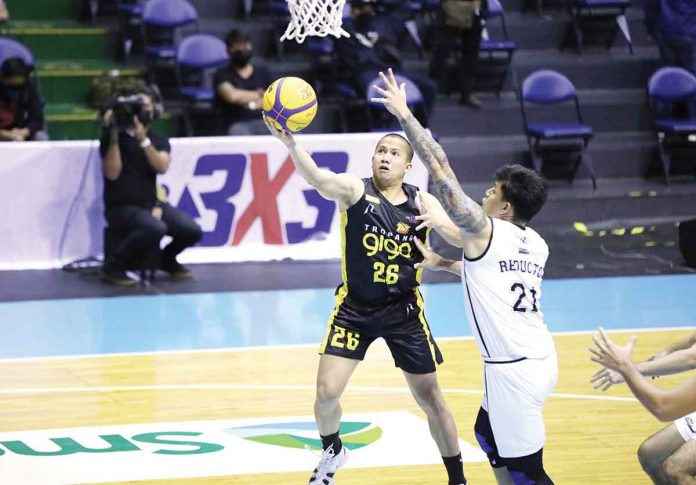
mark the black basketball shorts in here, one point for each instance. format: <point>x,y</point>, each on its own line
<point>354,325</point>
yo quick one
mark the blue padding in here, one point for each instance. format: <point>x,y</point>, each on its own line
<point>132,9</point>
<point>559,130</point>
<point>497,45</point>
<point>163,52</point>
<point>676,126</point>
<point>603,3</point>
<point>198,94</point>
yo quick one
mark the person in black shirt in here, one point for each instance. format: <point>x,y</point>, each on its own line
<point>379,296</point>
<point>21,111</point>
<point>131,160</point>
<point>239,87</point>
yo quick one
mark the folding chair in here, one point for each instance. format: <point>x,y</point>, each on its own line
<point>667,87</point>
<point>545,88</point>
<point>12,48</point>
<point>602,17</point>
<point>162,20</point>
<point>195,57</point>
<point>495,55</point>
<point>130,13</point>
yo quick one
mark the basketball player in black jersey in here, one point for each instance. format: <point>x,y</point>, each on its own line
<point>378,297</point>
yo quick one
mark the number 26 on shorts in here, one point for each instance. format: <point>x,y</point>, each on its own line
<point>341,339</point>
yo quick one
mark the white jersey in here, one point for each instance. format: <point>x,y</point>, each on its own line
<point>502,290</point>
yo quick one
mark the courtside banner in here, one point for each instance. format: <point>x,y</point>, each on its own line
<point>243,191</point>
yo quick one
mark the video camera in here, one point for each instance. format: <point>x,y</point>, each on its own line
<point>125,108</point>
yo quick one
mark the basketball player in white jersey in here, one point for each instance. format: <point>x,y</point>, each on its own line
<point>668,456</point>
<point>501,269</point>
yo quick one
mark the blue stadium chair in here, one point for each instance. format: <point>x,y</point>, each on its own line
<point>495,63</point>
<point>195,56</point>
<point>601,18</point>
<point>12,48</point>
<point>130,14</point>
<point>162,20</point>
<point>378,117</point>
<point>546,88</point>
<point>667,87</point>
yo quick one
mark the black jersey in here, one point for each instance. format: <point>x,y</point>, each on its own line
<point>378,248</point>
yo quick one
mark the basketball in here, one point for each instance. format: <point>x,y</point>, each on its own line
<point>290,103</point>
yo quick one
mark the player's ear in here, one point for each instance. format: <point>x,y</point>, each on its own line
<point>507,209</point>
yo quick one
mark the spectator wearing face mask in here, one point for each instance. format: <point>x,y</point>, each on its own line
<point>21,111</point>
<point>240,86</point>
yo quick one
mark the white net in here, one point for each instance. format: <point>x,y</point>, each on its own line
<point>315,17</point>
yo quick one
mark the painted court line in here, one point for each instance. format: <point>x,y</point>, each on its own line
<point>297,346</point>
<point>271,387</point>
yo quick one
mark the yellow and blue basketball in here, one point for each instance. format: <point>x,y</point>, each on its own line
<point>290,103</point>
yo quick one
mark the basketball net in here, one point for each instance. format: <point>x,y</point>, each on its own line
<point>315,17</point>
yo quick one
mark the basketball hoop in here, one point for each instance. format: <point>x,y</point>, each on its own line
<point>315,17</point>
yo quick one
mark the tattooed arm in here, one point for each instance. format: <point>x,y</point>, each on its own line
<point>461,209</point>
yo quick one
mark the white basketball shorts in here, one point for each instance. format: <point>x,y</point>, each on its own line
<point>687,426</point>
<point>514,399</point>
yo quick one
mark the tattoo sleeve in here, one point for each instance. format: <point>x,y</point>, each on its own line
<point>463,211</point>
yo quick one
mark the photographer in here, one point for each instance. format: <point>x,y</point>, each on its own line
<point>132,156</point>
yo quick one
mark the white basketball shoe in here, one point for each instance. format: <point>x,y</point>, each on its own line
<point>328,464</point>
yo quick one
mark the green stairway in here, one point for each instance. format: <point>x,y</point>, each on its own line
<point>69,55</point>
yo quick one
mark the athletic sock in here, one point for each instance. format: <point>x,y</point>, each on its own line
<point>334,440</point>
<point>455,469</point>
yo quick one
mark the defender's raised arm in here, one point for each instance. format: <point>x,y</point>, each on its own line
<point>464,212</point>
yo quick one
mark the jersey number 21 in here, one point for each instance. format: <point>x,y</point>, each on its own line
<point>521,292</point>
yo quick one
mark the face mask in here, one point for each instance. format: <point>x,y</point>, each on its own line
<point>241,58</point>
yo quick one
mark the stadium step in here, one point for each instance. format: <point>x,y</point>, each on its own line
<point>616,199</point>
<point>61,39</point>
<point>530,31</point>
<point>69,81</point>
<point>41,9</point>
<point>616,155</point>
<point>604,110</point>
<point>79,122</point>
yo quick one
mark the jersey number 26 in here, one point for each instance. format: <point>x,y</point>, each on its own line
<point>388,274</point>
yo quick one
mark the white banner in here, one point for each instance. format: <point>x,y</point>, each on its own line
<point>243,192</point>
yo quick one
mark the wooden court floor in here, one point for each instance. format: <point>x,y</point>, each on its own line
<point>590,439</point>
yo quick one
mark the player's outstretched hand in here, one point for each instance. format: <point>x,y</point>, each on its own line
<point>431,260</point>
<point>612,356</point>
<point>393,96</point>
<point>605,378</point>
<point>431,214</point>
<point>284,136</point>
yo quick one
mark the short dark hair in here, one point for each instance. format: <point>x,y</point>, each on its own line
<point>409,153</point>
<point>14,66</point>
<point>524,189</point>
<point>236,36</point>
